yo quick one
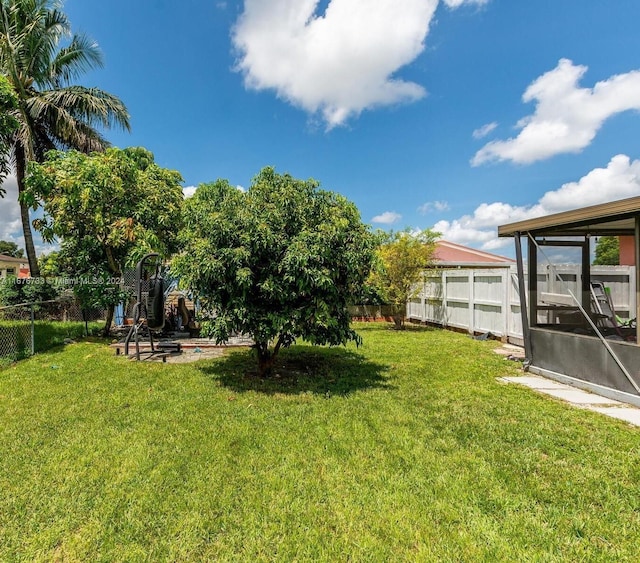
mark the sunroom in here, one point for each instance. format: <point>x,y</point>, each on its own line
<point>572,332</point>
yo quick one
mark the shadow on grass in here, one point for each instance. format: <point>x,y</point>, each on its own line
<point>301,369</point>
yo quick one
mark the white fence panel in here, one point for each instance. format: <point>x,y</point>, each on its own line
<point>487,299</point>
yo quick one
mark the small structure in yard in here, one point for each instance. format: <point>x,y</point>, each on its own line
<point>149,308</point>
<point>571,333</point>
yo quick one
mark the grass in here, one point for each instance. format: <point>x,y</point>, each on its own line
<point>404,449</point>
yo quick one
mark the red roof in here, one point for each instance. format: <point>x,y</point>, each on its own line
<point>450,252</point>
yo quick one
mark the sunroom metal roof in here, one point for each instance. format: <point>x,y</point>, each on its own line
<point>612,218</point>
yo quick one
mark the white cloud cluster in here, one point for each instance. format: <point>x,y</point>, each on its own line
<point>387,218</point>
<point>337,63</point>
<point>11,224</point>
<point>619,180</point>
<point>567,117</point>
<point>433,206</point>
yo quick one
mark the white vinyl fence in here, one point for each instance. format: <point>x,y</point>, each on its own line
<point>482,300</point>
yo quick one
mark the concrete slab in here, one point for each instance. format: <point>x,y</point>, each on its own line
<point>536,382</point>
<point>579,397</point>
<point>628,414</point>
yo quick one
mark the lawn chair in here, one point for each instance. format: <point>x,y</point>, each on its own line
<point>604,312</point>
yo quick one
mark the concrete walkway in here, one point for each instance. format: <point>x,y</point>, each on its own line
<point>578,397</point>
<point>572,395</point>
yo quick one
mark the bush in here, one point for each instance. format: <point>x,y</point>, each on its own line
<point>14,291</point>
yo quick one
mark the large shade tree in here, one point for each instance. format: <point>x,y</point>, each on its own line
<point>108,209</point>
<point>278,262</point>
<point>52,111</point>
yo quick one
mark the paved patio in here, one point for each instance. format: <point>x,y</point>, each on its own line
<point>192,349</point>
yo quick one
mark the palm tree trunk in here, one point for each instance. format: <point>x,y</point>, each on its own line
<point>34,269</point>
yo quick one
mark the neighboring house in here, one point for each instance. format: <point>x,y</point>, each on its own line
<point>452,255</point>
<point>10,266</point>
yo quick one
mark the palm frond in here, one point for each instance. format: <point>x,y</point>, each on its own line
<point>82,55</point>
<point>67,119</point>
<point>51,29</point>
<point>30,32</point>
<point>92,106</point>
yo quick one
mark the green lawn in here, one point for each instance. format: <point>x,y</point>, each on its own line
<point>405,449</point>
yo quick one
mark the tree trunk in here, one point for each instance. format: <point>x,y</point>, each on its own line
<point>398,316</point>
<point>21,164</point>
<point>266,359</point>
<point>265,365</point>
<point>106,331</point>
<point>399,322</point>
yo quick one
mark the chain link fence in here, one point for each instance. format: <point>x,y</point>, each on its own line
<point>16,332</point>
<point>29,328</point>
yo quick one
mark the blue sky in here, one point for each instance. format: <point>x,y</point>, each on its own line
<point>457,114</point>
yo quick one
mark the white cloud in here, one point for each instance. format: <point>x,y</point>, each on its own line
<point>10,223</point>
<point>619,180</point>
<point>337,63</point>
<point>387,218</point>
<point>458,3</point>
<point>433,206</point>
<point>484,130</point>
<point>188,191</point>
<point>567,117</point>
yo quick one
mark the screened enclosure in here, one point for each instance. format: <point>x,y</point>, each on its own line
<point>572,331</point>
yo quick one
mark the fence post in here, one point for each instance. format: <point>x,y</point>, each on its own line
<point>506,306</point>
<point>471,280</point>
<point>33,332</point>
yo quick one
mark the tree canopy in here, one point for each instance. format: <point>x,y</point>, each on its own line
<point>607,251</point>
<point>108,209</point>
<point>52,111</point>
<point>278,262</point>
<point>9,248</point>
<point>402,258</point>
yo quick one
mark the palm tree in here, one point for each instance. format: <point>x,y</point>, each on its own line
<point>52,113</point>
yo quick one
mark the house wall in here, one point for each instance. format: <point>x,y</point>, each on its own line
<point>627,251</point>
<point>11,267</point>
